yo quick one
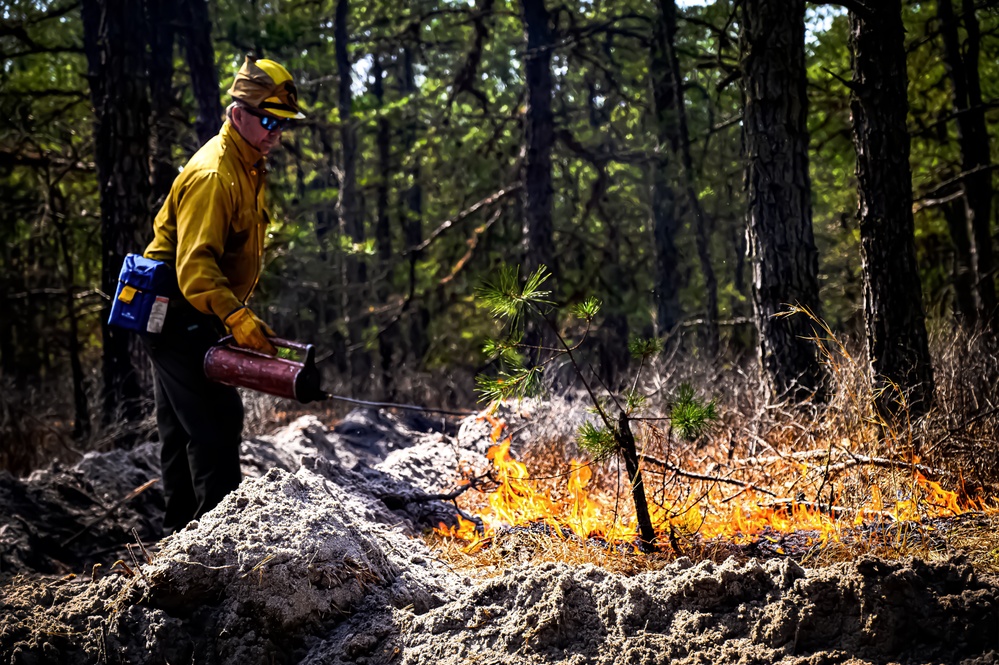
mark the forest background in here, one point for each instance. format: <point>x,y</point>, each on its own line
<point>609,141</point>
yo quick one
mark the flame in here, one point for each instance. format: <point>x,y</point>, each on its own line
<point>745,518</point>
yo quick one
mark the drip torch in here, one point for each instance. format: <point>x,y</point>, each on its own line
<point>283,377</point>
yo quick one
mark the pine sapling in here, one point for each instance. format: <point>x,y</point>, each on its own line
<point>516,304</point>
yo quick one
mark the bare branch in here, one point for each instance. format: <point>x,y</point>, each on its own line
<point>475,207</point>
<point>669,466</point>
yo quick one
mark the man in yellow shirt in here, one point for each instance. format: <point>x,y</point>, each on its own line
<point>211,230</point>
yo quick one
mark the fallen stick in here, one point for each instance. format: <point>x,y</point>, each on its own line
<point>863,460</point>
<point>399,500</point>
<point>110,509</point>
<point>700,476</point>
<point>855,460</point>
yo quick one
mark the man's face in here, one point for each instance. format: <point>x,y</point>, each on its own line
<point>249,128</point>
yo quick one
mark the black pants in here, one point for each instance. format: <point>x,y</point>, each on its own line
<point>200,422</point>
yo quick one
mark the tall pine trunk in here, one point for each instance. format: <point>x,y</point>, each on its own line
<point>115,48</point>
<point>973,137</point>
<point>897,345</point>
<point>539,137</point>
<point>671,127</point>
<point>383,229</point>
<point>197,38</point>
<point>160,14</point>
<point>349,210</point>
<point>665,213</point>
<point>781,242</point>
<point>412,214</point>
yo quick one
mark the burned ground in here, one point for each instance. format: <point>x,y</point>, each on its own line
<point>317,558</point>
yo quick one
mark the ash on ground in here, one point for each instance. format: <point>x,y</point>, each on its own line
<point>316,558</point>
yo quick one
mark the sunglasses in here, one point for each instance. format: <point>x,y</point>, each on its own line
<point>270,123</point>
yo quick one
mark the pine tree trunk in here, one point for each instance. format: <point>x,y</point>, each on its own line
<point>197,35</point>
<point>412,216</point>
<point>539,137</point>
<point>897,345</point>
<point>626,440</point>
<point>966,304</point>
<point>160,14</point>
<point>666,35</point>
<point>349,209</point>
<point>962,65</point>
<point>115,48</point>
<point>781,242</point>
<point>665,215</point>
<point>383,228</point>
<point>81,408</point>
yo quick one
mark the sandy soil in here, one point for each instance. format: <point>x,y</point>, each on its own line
<point>315,559</point>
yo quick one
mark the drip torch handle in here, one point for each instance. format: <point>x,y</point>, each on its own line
<point>289,344</point>
<point>308,349</point>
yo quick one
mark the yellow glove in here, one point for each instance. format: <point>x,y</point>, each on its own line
<point>250,332</point>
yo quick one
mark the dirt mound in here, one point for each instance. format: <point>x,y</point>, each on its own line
<point>868,611</point>
<point>283,557</point>
<point>67,518</point>
<point>60,518</point>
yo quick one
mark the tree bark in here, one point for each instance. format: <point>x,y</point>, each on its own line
<point>781,242</point>
<point>629,451</point>
<point>671,123</point>
<point>383,228</point>
<point>115,49</point>
<point>349,210</point>
<point>197,37</point>
<point>412,225</point>
<point>665,216</point>
<point>160,14</point>
<point>897,345</point>
<point>81,409</point>
<point>539,137</point>
<point>962,65</point>
<point>966,304</point>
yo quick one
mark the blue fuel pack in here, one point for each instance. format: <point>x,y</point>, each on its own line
<point>141,299</point>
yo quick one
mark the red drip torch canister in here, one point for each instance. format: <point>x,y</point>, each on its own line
<point>246,368</point>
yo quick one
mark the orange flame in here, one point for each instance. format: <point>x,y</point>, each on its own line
<point>740,520</point>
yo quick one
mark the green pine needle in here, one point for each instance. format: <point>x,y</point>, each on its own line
<point>599,442</point>
<point>690,417</point>
<point>634,400</point>
<point>587,309</point>
<point>505,350</point>
<point>507,299</point>
<point>519,383</point>
<point>645,347</point>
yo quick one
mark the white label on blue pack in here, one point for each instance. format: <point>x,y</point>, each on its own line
<point>158,314</point>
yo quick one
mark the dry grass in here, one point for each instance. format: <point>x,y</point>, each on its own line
<point>838,456</point>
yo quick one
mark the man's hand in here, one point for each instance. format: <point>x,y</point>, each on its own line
<point>250,332</point>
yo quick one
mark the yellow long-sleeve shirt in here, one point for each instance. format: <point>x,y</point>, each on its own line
<point>211,227</point>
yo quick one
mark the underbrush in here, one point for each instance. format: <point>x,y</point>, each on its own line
<point>817,482</point>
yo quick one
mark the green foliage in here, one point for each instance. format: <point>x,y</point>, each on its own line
<point>504,349</point>
<point>519,382</point>
<point>645,348</point>
<point>449,149</point>
<point>599,442</point>
<point>588,309</point>
<point>689,416</point>
<point>507,298</point>
<point>634,401</point>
